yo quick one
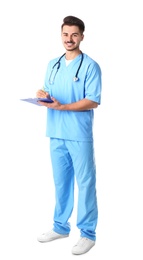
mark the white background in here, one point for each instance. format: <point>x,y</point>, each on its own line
<point>30,36</point>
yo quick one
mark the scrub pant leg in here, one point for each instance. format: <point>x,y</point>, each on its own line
<point>63,176</point>
<point>82,154</point>
<point>69,159</point>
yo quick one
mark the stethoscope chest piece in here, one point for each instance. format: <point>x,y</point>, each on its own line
<point>75,79</point>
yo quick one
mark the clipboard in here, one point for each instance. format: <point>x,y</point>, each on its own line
<point>35,100</point>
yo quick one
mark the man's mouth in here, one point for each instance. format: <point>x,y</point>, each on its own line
<point>69,44</point>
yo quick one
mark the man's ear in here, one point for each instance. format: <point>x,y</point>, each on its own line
<point>82,37</point>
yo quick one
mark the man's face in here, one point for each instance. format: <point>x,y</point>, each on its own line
<point>71,37</point>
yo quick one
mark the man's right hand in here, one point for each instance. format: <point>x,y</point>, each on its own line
<point>42,94</point>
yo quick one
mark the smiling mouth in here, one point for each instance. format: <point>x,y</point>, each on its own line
<point>69,43</point>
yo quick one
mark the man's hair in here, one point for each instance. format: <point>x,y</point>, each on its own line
<point>72,20</point>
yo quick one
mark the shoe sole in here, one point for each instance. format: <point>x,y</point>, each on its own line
<point>52,239</point>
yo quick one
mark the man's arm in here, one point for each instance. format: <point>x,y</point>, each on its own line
<point>81,105</point>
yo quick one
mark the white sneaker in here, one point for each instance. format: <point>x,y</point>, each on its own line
<point>51,235</point>
<point>83,245</point>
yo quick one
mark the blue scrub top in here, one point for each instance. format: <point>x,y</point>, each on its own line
<point>73,125</point>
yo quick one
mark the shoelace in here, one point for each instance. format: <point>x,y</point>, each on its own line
<point>81,241</point>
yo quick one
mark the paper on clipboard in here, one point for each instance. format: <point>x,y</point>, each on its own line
<point>35,100</point>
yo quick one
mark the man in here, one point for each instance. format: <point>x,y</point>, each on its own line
<point>73,82</point>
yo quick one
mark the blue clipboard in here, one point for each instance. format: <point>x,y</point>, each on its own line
<point>35,100</point>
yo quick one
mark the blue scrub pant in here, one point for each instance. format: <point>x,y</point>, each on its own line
<point>70,160</point>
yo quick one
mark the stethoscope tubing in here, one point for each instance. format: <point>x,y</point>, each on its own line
<point>58,66</point>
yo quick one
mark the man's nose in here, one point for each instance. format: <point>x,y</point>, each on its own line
<point>69,38</point>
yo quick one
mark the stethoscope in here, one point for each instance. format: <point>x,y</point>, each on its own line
<point>58,63</point>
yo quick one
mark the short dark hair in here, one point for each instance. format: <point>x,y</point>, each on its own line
<point>72,20</point>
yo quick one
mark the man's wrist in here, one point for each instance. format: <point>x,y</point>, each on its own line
<point>63,107</point>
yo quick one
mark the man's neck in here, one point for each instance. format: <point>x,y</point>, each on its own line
<point>70,55</point>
